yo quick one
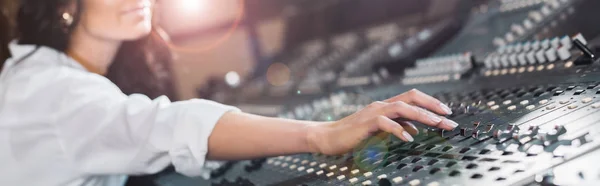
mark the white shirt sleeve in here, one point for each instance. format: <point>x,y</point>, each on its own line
<point>104,131</point>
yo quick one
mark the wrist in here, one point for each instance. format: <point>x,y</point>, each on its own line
<point>313,136</point>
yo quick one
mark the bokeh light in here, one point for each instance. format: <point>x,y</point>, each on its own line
<point>232,79</point>
<point>192,7</point>
<point>278,74</point>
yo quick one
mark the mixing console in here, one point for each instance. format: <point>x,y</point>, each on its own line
<point>522,79</point>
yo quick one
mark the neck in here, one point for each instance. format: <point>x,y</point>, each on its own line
<point>93,53</point>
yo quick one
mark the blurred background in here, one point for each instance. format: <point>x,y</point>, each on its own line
<point>241,39</point>
<point>269,31</point>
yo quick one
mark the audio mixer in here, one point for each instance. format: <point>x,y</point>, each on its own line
<point>522,78</point>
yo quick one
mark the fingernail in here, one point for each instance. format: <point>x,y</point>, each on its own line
<point>408,137</point>
<point>451,123</point>
<point>446,108</point>
<point>435,118</point>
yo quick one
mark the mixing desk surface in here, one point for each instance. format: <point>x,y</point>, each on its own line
<point>522,79</point>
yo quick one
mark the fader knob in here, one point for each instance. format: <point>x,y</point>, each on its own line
<point>563,53</point>
<point>586,51</point>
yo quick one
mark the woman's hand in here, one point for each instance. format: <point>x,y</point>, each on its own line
<point>390,116</point>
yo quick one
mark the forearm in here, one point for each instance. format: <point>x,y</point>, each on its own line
<point>245,136</point>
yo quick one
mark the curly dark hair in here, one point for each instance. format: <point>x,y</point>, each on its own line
<point>5,32</point>
<point>140,66</point>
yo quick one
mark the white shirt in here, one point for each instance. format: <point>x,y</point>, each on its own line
<point>62,125</point>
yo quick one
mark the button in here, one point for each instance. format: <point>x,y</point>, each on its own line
<point>586,100</point>
<point>525,102</point>
<point>301,168</point>
<point>435,183</point>
<point>522,58</point>
<point>555,42</point>
<point>288,158</point>
<point>507,102</point>
<point>544,101</point>
<point>572,106</point>
<point>571,87</point>
<point>495,107</point>
<point>596,105</point>
<point>329,174</point>
<point>368,182</point>
<point>513,60</point>
<point>504,61</point>
<point>551,55</point>
<point>414,182</point>
<point>284,165</point>
<point>276,163</point>
<point>313,163</point>
<point>531,57</point>
<point>528,24</point>
<point>512,107</point>
<point>526,46</point>
<point>545,44</point>
<point>491,103</point>
<point>343,169</point>
<point>563,53</point>
<point>368,174</point>
<point>536,16</point>
<point>296,160</point>
<point>565,41</point>
<point>558,92</point>
<point>293,166</point>
<point>579,92</point>
<point>539,56</point>
<point>580,38</point>
<point>333,167</point>
<point>550,107</point>
<point>530,107</point>
<point>564,102</point>
<point>397,179</point>
<point>355,171</point>
<point>496,61</point>
<point>323,165</point>
<point>319,172</point>
<point>353,180</point>
<point>382,176</point>
<point>341,177</point>
<point>517,29</point>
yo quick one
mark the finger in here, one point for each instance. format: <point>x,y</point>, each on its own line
<point>387,125</point>
<point>409,127</point>
<point>403,110</point>
<point>418,98</point>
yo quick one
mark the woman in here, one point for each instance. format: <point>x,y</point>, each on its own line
<point>64,123</point>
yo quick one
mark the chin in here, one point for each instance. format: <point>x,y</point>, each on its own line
<point>139,32</point>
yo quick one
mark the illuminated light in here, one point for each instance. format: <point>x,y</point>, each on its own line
<point>298,92</point>
<point>192,7</point>
<point>278,74</point>
<point>232,79</point>
<point>203,5</point>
